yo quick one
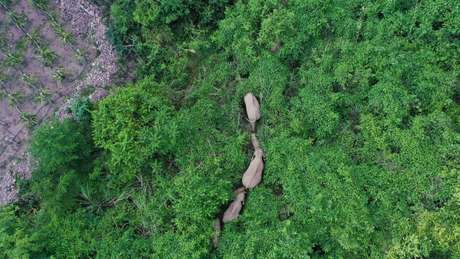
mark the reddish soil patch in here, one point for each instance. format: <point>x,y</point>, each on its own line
<point>33,90</point>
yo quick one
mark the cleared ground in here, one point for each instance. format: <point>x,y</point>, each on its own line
<point>50,52</point>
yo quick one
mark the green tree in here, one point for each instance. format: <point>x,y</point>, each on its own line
<point>135,125</point>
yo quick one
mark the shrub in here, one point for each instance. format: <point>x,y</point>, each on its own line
<point>134,125</point>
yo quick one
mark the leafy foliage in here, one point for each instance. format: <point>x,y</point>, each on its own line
<point>134,125</point>
<point>57,146</point>
<point>360,128</point>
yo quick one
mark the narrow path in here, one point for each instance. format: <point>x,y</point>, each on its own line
<point>251,177</point>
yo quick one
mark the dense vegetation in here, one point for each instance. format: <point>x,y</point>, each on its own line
<point>360,126</point>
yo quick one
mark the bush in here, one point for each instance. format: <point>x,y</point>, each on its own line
<point>135,125</point>
<point>81,109</point>
<point>58,146</point>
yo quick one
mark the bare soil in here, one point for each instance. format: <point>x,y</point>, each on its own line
<point>32,91</point>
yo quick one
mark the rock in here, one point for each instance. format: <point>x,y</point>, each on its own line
<point>98,94</point>
<point>253,174</point>
<point>252,109</point>
<point>276,46</point>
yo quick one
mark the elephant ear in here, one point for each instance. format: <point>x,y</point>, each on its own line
<point>233,210</point>
<point>253,174</point>
<point>252,109</point>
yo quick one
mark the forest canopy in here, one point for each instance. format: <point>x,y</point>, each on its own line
<point>360,105</point>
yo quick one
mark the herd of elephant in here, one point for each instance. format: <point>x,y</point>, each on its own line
<point>252,176</point>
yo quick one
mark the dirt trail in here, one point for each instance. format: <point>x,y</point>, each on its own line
<point>86,22</point>
<point>35,85</point>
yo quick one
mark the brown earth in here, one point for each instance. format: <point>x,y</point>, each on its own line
<point>30,91</point>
